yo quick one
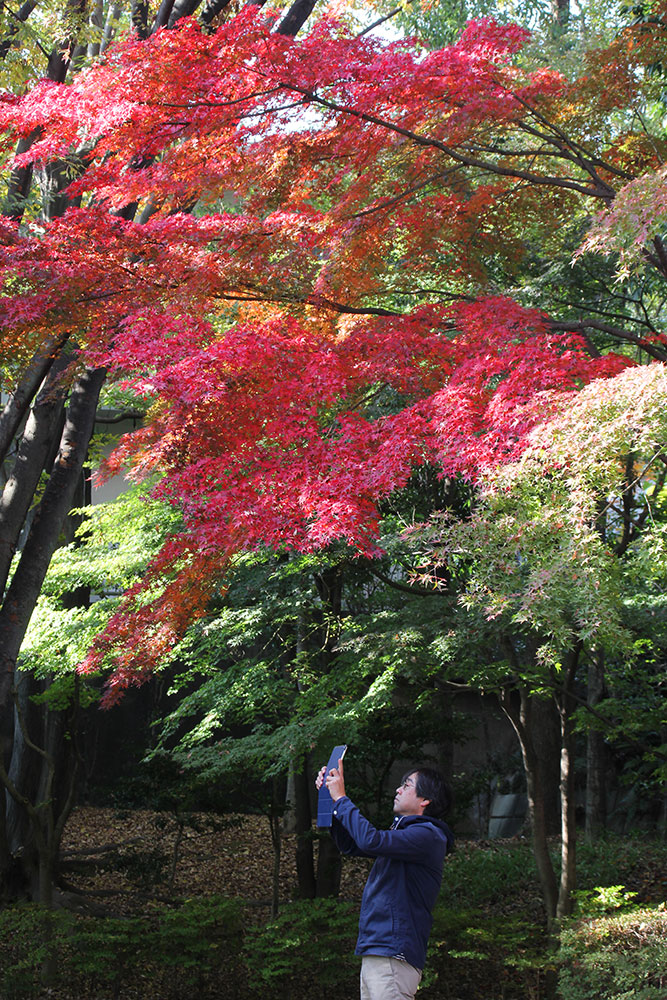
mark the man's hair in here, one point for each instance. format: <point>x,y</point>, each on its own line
<point>431,785</point>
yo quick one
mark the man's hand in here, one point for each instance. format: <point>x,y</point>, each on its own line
<point>335,781</point>
<point>319,780</point>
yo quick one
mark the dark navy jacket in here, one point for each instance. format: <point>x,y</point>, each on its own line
<point>403,884</point>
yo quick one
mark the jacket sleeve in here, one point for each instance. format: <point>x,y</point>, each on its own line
<point>419,843</point>
<point>343,841</point>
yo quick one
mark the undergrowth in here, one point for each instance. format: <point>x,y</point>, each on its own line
<point>488,940</point>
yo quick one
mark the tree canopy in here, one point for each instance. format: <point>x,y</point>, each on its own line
<point>309,302</point>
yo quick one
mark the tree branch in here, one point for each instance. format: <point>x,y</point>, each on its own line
<point>615,331</point>
<point>601,190</point>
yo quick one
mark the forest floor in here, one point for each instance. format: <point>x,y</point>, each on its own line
<point>125,857</point>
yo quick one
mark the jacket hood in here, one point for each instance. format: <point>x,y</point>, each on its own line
<point>403,821</point>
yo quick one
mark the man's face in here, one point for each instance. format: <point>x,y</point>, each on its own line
<point>406,800</point>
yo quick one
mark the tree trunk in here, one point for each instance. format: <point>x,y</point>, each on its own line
<point>182,8</point>
<point>20,181</point>
<point>47,525</point>
<point>41,786</point>
<point>546,732</point>
<point>36,444</point>
<point>276,840</point>
<point>566,705</point>
<point>560,16</point>
<point>521,718</point>
<point>596,756</point>
<point>329,867</point>
<point>568,874</point>
<point>305,866</point>
<point>296,17</point>
<point>24,393</point>
<point>41,783</point>
<point>24,773</point>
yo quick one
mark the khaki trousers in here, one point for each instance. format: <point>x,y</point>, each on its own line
<point>388,978</point>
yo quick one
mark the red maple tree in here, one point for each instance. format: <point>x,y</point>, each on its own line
<point>323,328</point>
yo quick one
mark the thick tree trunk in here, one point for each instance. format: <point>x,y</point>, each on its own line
<point>329,586</point>
<point>29,771</point>
<point>96,20</point>
<point>139,16</point>
<point>296,17</point>
<point>163,14</point>
<point>36,443</point>
<point>275,822</point>
<point>24,773</point>
<point>5,855</point>
<point>44,767</point>
<point>19,403</point>
<point>20,181</point>
<point>182,8</point>
<point>44,533</point>
<point>546,730</point>
<point>568,874</point>
<point>211,10</point>
<point>560,14</point>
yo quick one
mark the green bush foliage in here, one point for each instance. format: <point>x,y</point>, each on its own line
<point>633,859</point>
<point>488,940</point>
<point>309,940</point>
<point>619,957</point>
<point>480,874</point>
<point>473,945</point>
<point>29,936</point>
<point>184,950</point>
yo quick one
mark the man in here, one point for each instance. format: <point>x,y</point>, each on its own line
<point>403,885</point>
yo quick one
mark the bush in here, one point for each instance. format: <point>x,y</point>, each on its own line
<point>617,957</point>
<point>493,873</point>
<point>30,936</point>
<point>192,949</point>
<point>635,861</point>
<point>194,943</point>
<point>309,941</point>
<point>474,945</point>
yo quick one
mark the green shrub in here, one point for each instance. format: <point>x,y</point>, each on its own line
<point>477,875</point>
<point>618,957</point>
<point>309,941</point>
<point>469,945</point>
<point>191,949</point>
<point>633,860</point>
<point>603,899</point>
<point>195,942</point>
<point>30,936</point>
<point>105,952</point>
